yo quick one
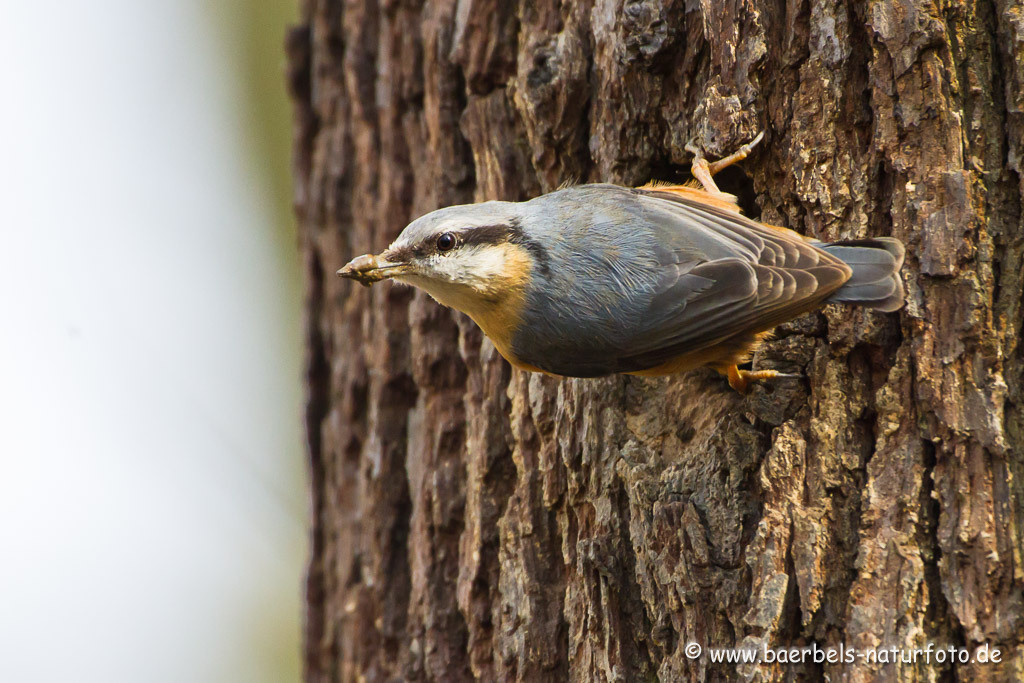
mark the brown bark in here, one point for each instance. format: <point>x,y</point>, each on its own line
<point>471,520</point>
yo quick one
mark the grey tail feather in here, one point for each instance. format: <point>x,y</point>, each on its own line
<point>876,264</point>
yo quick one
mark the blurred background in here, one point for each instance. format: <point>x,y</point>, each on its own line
<point>152,505</point>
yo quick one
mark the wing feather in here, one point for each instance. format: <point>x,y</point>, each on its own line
<point>763,277</point>
<point>657,274</point>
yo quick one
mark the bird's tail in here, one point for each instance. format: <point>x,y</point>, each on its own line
<point>876,264</point>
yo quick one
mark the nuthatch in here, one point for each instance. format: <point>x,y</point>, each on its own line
<point>599,279</point>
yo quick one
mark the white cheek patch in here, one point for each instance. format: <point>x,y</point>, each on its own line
<point>472,265</point>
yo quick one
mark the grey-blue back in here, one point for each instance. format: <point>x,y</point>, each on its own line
<point>629,279</point>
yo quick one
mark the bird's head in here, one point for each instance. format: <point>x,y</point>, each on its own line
<point>471,257</point>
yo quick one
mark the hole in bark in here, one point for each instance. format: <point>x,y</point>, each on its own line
<point>664,171</point>
<point>685,433</point>
<point>731,179</point>
<point>543,71</point>
<point>734,181</point>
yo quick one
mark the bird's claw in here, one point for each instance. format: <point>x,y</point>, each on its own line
<point>739,155</point>
<point>740,380</point>
<point>786,375</point>
<point>703,170</point>
<point>693,149</point>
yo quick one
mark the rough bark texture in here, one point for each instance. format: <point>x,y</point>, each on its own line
<point>470,520</point>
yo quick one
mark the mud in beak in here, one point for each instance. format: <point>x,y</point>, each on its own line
<point>367,269</point>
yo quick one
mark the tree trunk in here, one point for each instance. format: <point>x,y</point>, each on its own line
<point>473,520</point>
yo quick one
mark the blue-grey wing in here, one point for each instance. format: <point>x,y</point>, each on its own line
<point>755,277</point>
<point>648,276</point>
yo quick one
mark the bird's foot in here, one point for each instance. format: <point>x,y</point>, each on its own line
<point>703,170</point>
<point>740,379</point>
<point>739,155</point>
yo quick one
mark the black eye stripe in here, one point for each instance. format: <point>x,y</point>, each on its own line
<point>487,234</point>
<point>474,236</point>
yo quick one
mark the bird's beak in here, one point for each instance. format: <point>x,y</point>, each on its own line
<point>367,269</point>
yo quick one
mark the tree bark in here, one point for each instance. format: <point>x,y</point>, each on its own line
<point>470,520</point>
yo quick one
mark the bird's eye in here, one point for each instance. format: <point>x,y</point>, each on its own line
<point>446,242</point>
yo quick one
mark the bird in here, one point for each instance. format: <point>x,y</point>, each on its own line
<point>600,279</point>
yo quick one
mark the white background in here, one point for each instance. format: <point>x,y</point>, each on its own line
<point>151,477</point>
